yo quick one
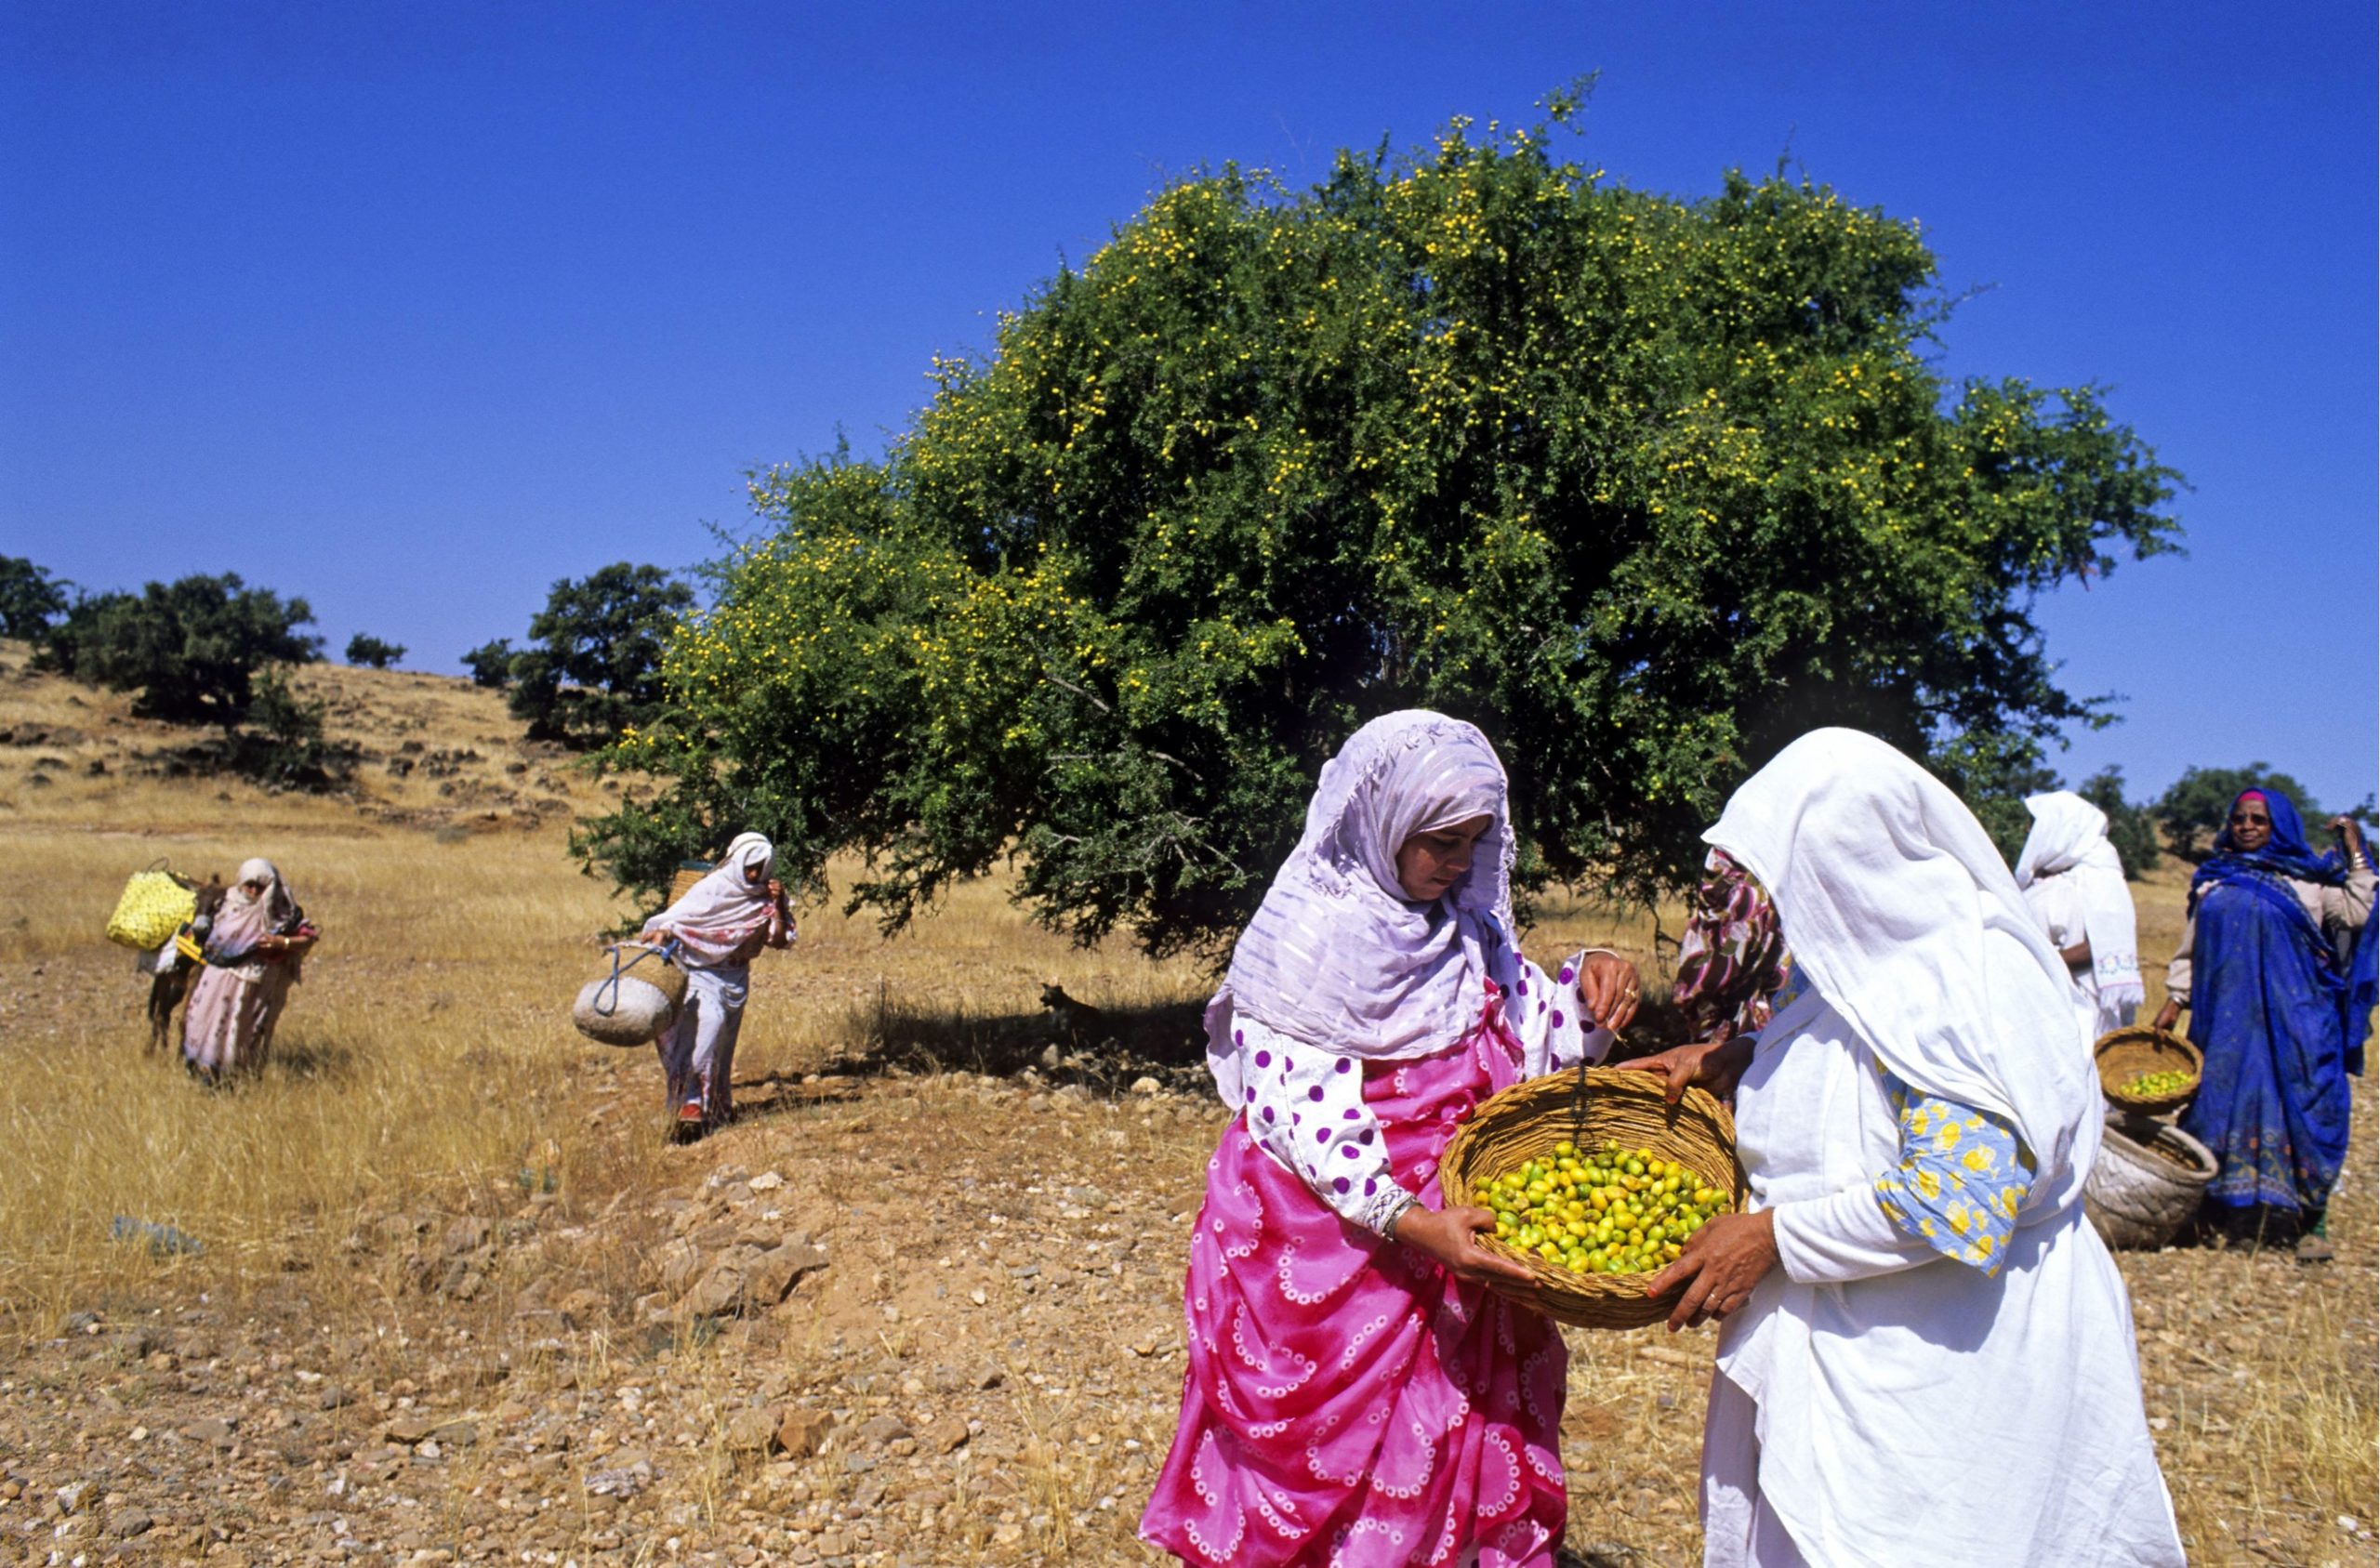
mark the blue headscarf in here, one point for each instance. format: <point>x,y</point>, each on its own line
<point>2355,975</point>
<point>2287,854</point>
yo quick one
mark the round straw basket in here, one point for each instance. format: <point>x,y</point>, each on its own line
<point>1617,1106</point>
<point>2124,1054</point>
<point>689,872</point>
<point>2148,1182</point>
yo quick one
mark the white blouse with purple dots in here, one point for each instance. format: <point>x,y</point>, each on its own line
<point>1305,1104</point>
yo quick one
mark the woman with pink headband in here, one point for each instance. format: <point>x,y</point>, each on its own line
<point>2277,969</point>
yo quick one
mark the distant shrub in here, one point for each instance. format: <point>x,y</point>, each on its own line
<point>2195,808</point>
<point>595,667</point>
<point>2130,828</point>
<point>29,598</point>
<point>370,652</point>
<point>190,648</point>
<point>283,745</point>
<point>491,664</point>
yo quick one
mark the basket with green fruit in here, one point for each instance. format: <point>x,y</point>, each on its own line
<point>2146,1069</point>
<point>1595,1181</point>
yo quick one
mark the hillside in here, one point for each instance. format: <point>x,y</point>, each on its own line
<point>455,1300</point>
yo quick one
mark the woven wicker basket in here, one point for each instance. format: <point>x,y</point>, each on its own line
<point>2148,1182</point>
<point>2124,1054</point>
<point>636,1002</point>
<point>689,872</point>
<point>1619,1106</point>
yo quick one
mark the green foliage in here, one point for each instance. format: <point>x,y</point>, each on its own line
<point>369,651</point>
<point>1993,772</point>
<point>29,598</point>
<point>190,648</point>
<point>283,745</point>
<point>1645,487</point>
<point>2131,829</point>
<point>2195,808</point>
<point>491,664</point>
<point>595,667</point>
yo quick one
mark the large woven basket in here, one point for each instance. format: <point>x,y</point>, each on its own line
<point>633,1004</point>
<point>2148,1182</point>
<point>1616,1105</point>
<point>2124,1054</point>
<point>689,872</point>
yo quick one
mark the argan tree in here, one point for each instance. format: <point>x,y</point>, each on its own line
<point>372,653</point>
<point>593,665</point>
<point>190,648</point>
<point>1644,486</point>
<point>2196,806</point>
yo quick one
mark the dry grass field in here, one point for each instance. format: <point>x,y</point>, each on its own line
<point>456,1301</point>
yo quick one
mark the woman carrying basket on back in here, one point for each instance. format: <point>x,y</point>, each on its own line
<point>1354,1392</point>
<point>720,927</point>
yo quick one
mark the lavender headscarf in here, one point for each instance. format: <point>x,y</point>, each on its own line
<point>1337,955</point>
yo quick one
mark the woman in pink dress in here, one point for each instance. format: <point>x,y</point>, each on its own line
<point>1355,1394</point>
<point>255,952</point>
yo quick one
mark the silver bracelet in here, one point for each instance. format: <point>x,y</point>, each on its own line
<point>1397,1206</point>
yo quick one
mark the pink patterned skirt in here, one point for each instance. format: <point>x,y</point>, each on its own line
<point>1347,1401</point>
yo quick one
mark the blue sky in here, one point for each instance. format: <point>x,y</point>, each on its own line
<point>414,307</point>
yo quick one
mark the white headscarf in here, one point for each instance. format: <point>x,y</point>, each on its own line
<point>244,917</point>
<point>1337,955</point>
<point>1899,912</point>
<point>2072,876</point>
<point>719,912</point>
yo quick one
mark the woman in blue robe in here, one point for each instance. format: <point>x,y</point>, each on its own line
<point>2277,967</point>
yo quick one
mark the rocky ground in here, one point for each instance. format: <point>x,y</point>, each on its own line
<point>921,1306</point>
<point>889,1318</point>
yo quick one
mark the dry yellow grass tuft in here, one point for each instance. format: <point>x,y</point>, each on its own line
<point>443,1207</point>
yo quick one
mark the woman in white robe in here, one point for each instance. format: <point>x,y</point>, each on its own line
<point>2072,879</point>
<point>1889,1391</point>
<point>718,929</point>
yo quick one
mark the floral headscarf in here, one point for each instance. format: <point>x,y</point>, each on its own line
<point>1732,957</point>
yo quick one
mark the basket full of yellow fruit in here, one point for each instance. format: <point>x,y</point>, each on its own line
<point>1595,1181</point>
<point>2147,1070</point>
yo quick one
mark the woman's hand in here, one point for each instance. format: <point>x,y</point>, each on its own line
<point>1719,1266</point>
<point>2349,834</point>
<point>2169,1015</point>
<point>1608,988</point>
<point>1450,1238</point>
<point>1713,1064</point>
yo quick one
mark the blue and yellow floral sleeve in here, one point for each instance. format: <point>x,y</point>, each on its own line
<point>1961,1180</point>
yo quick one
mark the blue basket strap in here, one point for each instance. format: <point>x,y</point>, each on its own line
<point>666,952</point>
<point>603,1009</point>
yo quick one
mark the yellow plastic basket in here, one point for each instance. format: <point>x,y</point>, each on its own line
<point>154,905</point>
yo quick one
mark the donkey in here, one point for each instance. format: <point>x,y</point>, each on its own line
<point>167,988</point>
